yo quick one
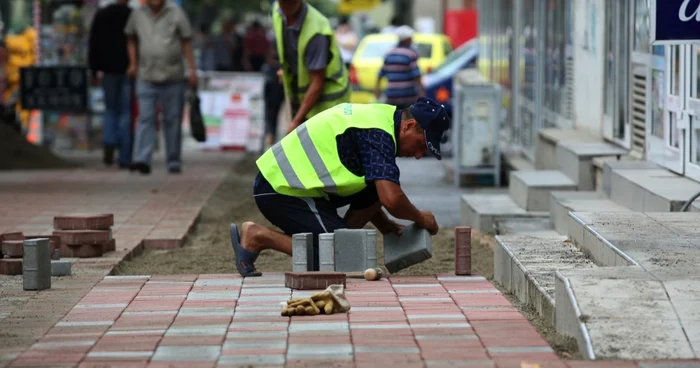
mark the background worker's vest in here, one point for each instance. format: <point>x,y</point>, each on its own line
<point>336,88</point>
<point>306,163</point>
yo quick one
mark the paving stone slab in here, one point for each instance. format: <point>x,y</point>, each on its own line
<point>483,211</point>
<point>412,247</point>
<point>187,353</point>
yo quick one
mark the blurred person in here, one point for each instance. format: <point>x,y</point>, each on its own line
<point>273,94</point>
<point>163,35</point>
<point>108,62</point>
<point>401,70</point>
<point>207,49</point>
<point>395,23</point>
<point>347,40</point>
<point>345,155</point>
<point>313,72</point>
<point>228,45</point>
<point>255,47</point>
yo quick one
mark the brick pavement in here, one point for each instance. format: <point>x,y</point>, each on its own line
<point>155,211</point>
<point>224,320</point>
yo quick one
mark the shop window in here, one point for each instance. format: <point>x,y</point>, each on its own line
<point>529,51</point>
<point>658,100</point>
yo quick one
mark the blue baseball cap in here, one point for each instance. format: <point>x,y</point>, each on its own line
<point>434,118</point>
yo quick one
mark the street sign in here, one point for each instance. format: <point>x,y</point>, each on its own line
<point>674,22</point>
<point>349,6</point>
<point>54,88</point>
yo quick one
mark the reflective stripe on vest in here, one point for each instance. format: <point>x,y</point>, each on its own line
<point>314,157</point>
<point>306,162</point>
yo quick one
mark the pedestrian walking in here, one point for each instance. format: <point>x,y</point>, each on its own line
<point>256,46</point>
<point>345,155</point>
<point>273,95</point>
<point>401,70</point>
<point>159,34</point>
<point>108,62</point>
<point>313,72</point>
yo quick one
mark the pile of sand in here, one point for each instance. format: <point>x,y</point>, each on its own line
<point>16,153</point>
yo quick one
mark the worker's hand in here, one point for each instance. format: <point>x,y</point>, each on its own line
<point>280,75</point>
<point>192,79</point>
<point>427,221</point>
<point>392,228</point>
<point>131,72</point>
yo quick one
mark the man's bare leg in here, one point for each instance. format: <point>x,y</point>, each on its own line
<point>256,238</point>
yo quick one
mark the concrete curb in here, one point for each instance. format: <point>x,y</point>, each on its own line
<point>601,257</point>
<point>574,326</point>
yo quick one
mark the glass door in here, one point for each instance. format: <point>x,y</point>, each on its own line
<point>692,167</point>
<point>666,143</point>
<point>617,69</point>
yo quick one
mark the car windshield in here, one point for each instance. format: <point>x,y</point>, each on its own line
<point>453,56</point>
<point>378,49</point>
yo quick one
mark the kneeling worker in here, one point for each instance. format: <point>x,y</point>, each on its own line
<point>345,155</point>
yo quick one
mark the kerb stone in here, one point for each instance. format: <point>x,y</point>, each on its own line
<point>414,246</point>
<point>36,265</point>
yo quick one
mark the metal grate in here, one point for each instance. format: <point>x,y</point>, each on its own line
<point>568,100</point>
<point>638,107</point>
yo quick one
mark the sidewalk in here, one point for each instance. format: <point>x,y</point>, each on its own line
<point>149,211</point>
<point>224,320</point>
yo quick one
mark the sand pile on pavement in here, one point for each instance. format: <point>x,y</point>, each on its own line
<point>16,153</point>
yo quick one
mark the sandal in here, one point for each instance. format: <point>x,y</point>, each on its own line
<point>244,259</point>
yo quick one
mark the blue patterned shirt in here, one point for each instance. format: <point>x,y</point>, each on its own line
<point>370,152</point>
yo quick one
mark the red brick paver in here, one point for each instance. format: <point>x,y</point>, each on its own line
<point>224,320</point>
<point>158,206</point>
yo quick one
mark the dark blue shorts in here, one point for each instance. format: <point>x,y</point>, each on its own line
<point>295,215</point>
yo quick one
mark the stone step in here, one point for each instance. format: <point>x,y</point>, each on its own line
<point>484,211</point>
<point>651,190</point>
<point>662,239</point>
<point>561,203</point>
<point>575,160</point>
<point>525,265</point>
<point>531,189</point>
<point>627,313</point>
<point>609,166</point>
<point>525,226</point>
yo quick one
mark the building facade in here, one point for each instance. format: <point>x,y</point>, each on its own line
<point>589,65</point>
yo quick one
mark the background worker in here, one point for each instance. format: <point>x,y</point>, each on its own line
<point>343,156</point>
<point>401,70</point>
<point>313,72</point>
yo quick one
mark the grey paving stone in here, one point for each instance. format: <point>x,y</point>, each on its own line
<point>60,268</point>
<point>213,330</point>
<point>235,325</point>
<point>413,247</point>
<point>528,349</point>
<point>62,344</point>
<point>84,323</point>
<point>425,299</point>
<point>334,351</point>
<point>255,345</point>
<point>246,315</point>
<point>355,250</point>
<point>318,326</point>
<point>135,332</point>
<point>256,334</point>
<point>187,353</point>
<point>246,308</point>
<point>462,278</point>
<point>101,306</point>
<point>218,282</point>
<point>302,251</point>
<point>120,355</point>
<point>670,365</point>
<point>436,316</point>
<point>401,286</point>
<point>252,360</point>
<point>326,252</point>
<point>268,290</point>
<point>263,298</point>
<point>149,313</point>
<point>194,312</point>
<point>222,295</point>
<point>36,264</point>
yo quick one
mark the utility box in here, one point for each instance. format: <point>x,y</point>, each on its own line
<point>476,126</point>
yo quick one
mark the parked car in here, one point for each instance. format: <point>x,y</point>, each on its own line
<point>369,58</point>
<point>438,83</point>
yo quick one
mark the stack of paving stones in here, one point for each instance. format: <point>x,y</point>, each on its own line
<point>225,320</point>
<point>85,235</point>
<point>11,252</point>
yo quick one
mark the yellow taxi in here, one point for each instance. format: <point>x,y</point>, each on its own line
<point>369,58</point>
